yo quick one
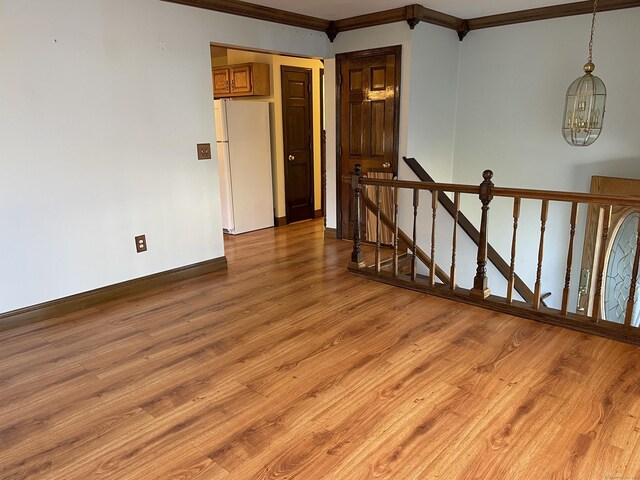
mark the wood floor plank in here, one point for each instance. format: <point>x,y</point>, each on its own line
<point>53,452</point>
<point>285,366</point>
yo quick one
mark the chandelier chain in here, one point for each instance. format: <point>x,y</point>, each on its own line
<point>593,29</point>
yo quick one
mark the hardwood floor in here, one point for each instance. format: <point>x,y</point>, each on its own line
<point>288,367</point>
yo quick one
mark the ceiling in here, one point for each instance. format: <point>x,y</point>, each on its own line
<point>339,9</point>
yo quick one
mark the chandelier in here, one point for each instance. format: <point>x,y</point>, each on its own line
<point>585,101</point>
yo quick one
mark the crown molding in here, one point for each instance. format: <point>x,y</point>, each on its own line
<point>245,9</point>
<point>371,19</point>
<point>412,14</point>
<point>546,13</point>
<point>437,18</point>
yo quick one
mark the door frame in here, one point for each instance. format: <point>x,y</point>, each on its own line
<point>323,153</point>
<point>312,156</point>
<point>340,58</point>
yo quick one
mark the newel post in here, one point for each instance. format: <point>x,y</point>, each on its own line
<point>480,283</point>
<point>356,255</point>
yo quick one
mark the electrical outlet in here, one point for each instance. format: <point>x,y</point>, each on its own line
<point>204,151</point>
<point>141,243</point>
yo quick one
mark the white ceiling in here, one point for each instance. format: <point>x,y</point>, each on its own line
<point>338,9</point>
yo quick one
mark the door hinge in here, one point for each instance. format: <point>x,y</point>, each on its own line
<point>339,79</point>
<point>309,87</point>
<point>340,151</point>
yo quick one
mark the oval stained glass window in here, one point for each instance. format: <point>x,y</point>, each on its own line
<point>619,270</point>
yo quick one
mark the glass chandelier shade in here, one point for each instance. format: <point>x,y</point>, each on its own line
<point>584,109</point>
<point>585,102</point>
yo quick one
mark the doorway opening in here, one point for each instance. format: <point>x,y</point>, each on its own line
<point>240,75</point>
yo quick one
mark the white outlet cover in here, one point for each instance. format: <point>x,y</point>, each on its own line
<point>163,45</point>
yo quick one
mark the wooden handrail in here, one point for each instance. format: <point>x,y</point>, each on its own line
<point>443,187</point>
<point>551,195</point>
<point>560,196</point>
<point>472,232</point>
<point>480,294</point>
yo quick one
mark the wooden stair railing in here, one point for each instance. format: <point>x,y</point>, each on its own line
<point>593,321</point>
<point>467,227</point>
<point>403,237</point>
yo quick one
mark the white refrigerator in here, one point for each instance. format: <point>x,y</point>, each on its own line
<point>243,138</point>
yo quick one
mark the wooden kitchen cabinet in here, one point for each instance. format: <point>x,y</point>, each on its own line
<point>221,83</point>
<point>240,80</point>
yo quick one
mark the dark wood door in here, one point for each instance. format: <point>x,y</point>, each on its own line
<point>368,119</point>
<point>298,143</point>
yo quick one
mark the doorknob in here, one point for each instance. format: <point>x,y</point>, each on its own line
<point>291,158</point>
<point>386,165</point>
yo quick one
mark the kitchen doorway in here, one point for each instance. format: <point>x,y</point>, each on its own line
<point>233,59</point>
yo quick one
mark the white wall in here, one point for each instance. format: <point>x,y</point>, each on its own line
<point>433,93</point>
<point>511,98</point>
<point>98,133</point>
<point>428,91</point>
<point>98,126</point>
<point>510,103</point>
<point>330,126</point>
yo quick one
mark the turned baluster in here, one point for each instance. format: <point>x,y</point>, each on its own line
<point>632,287</point>
<point>595,315</point>
<point>414,272</point>
<point>454,241</point>
<point>543,226</point>
<point>480,282</point>
<point>356,255</point>
<point>395,232</point>
<point>512,265</point>
<point>567,276</point>
<point>432,264</point>
<point>378,228</point>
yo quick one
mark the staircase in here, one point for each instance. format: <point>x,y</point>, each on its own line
<point>405,254</point>
<point>399,266</point>
<point>468,228</point>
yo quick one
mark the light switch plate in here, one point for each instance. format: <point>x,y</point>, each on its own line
<point>204,151</point>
